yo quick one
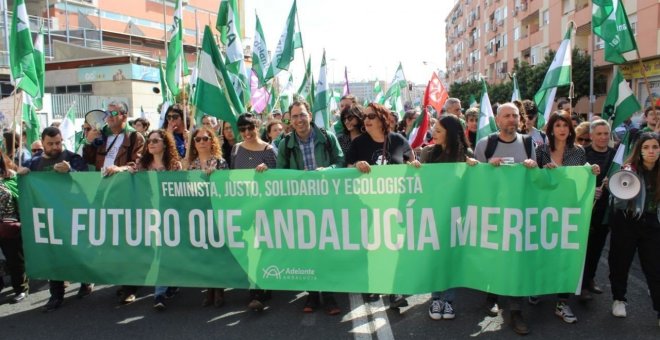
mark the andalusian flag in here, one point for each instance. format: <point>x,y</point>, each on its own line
<point>610,23</point>
<point>32,125</point>
<point>260,56</point>
<point>289,41</point>
<point>40,66</point>
<point>214,94</point>
<point>68,129</point>
<point>486,117</point>
<point>516,92</point>
<point>21,52</point>
<point>378,92</point>
<point>559,74</point>
<point>306,90</point>
<point>176,60</point>
<point>621,103</point>
<point>320,109</point>
<point>228,24</point>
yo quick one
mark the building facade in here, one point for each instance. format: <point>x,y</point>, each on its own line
<point>488,37</point>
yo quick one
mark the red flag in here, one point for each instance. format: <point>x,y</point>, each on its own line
<point>436,94</point>
<point>417,132</point>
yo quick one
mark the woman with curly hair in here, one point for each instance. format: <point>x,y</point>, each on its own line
<point>205,154</point>
<point>159,154</point>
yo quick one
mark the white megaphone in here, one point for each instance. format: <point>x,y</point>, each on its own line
<point>625,185</point>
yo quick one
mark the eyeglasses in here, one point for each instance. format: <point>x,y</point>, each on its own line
<point>154,140</point>
<point>172,117</point>
<point>113,113</point>
<point>246,128</point>
<point>583,140</point>
<point>349,118</point>
<point>371,116</point>
<point>202,138</point>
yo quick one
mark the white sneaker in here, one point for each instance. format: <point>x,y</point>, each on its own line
<point>619,309</point>
<point>563,310</point>
<point>436,309</point>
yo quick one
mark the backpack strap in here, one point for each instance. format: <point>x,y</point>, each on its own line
<point>529,145</point>
<point>491,145</point>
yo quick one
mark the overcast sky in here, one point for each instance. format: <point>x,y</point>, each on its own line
<point>370,37</point>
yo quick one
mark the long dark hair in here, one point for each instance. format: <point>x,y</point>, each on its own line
<point>357,112</point>
<point>550,130</point>
<point>637,161</point>
<point>170,153</point>
<point>456,144</point>
<point>6,164</point>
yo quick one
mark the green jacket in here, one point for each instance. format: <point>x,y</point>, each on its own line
<point>327,152</point>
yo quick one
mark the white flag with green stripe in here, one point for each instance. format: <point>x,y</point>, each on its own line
<point>378,92</point>
<point>321,98</point>
<point>68,128</point>
<point>229,23</point>
<point>260,56</point>
<point>559,74</point>
<point>176,60</point>
<point>621,102</point>
<point>40,67</point>
<point>486,117</point>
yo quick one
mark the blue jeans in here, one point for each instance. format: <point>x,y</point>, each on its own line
<point>448,295</point>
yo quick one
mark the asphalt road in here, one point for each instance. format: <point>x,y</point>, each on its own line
<point>98,316</point>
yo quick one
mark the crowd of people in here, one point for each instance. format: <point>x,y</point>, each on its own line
<point>364,137</point>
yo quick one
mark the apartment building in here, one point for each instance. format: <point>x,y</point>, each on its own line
<point>488,37</point>
<point>99,50</point>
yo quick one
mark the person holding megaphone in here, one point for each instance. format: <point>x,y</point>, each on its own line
<point>635,225</point>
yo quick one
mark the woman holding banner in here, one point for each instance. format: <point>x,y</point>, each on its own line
<point>451,146</point>
<point>380,146</point>
<point>636,227</point>
<point>253,153</point>
<point>205,154</point>
<point>160,154</point>
<point>561,151</point>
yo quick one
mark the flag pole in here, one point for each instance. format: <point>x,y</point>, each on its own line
<point>303,45</point>
<point>648,87</point>
<point>571,89</point>
<point>591,76</point>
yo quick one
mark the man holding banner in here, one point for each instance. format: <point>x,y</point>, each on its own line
<point>310,148</point>
<point>508,147</point>
<point>55,158</point>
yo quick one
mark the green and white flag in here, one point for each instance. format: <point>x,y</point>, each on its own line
<point>214,94</point>
<point>40,67</point>
<point>610,23</point>
<point>559,74</point>
<point>30,119</point>
<point>68,128</point>
<point>286,94</point>
<point>516,92</point>
<point>306,89</point>
<point>260,56</point>
<point>620,103</point>
<point>378,92</point>
<point>228,23</point>
<point>486,117</point>
<point>321,98</point>
<point>398,83</point>
<point>473,101</point>
<point>176,60</point>
<point>621,154</point>
<point>290,39</point>
<point>21,51</point>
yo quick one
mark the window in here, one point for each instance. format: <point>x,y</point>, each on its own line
<point>546,17</point>
<point>504,12</point>
<point>516,33</point>
<point>505,39</point>
<point>633,23</point>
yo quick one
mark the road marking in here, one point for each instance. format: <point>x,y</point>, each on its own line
<point>359,317</point>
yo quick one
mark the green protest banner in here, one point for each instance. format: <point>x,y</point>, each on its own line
<point>507,230</point>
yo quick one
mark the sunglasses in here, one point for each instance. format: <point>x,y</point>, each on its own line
<point>286,121</point>
<point>113,113</point>
<point>154,140</point>
<point>584,140</point>
<point>37,150</point>
<point>202,138</point>
<point>173,117</point>
<point>349,118</point>
<point>371,116</point>
<point>246,128</point>
<point>87,129</point>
